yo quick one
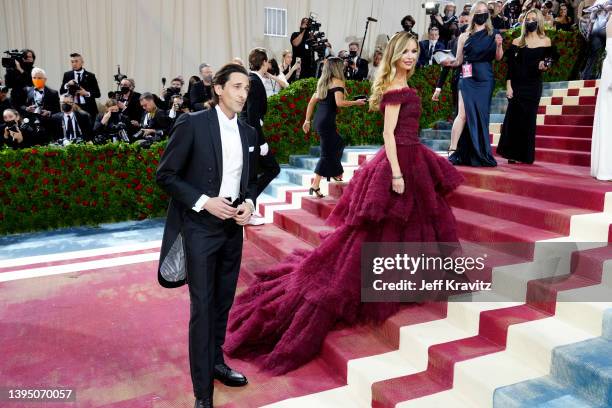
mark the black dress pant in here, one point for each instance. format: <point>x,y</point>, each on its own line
<point>268,170</point>
<point>213,254</point>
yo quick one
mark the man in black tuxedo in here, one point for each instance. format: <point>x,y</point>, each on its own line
<point>253,112</point>
<point>429,47</point>
<point>129,102</point>
<point>357,67</point>
<point>41,103</point>
<point>154,124</point>
<point>71,125</point>
<point>81,84</point>
<point>202,91</point>
<point>208,169</point>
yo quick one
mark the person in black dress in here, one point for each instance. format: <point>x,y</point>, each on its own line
<point>330,96</point>
<point>528,56</point>
<point>476,50</point>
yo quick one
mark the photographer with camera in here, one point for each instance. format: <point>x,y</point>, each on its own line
<point>408,23</point>
<point>443,22</point>
<point>72,124</point>
<point>19,65</point>
<point>356,68</point>
<point>301,51</point>
<point>112,125</point>
<point>82,85</point>
<point>40,104</point>
<point>499,21</point>
<point>154,124</point>
<point>167,94</point>
<point>5,101</point>
<point>18,133</point>
<point>128,100</point>
<point>201,92</point>
<point>177,108</point>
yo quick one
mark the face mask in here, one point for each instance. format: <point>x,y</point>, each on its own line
<point>532,26</point>
<point>39,83</point>
<point>176,90</point>
<point>125,89</point>
<point>66,107</point>
<point>462,27</point>
<point>481,18</point>
<point>10,123</point>
<point>207,78</point>
<point>407,27</point>
<point>114,114</point>
<point>352,54</point>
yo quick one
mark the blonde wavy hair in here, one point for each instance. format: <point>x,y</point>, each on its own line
<point>333,68</point>
<point>387,70</point>
<point>541,28</point>
<point>488,24</point>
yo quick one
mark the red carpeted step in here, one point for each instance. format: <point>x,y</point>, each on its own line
<point>571,110</point>
<point>274,241</point>
<point>565,131</point>
<point>302,224</point>
<point>481,228</point>
<point>583,100</point>
<point>255,260</point>
<point>573,157</point>
<point>321,207</point>
<point>439,374</point>
<point>569,120</point>
<point>336,189</point>
<point>546,215</point>
<point>539,182</point>
<point>564,143</point>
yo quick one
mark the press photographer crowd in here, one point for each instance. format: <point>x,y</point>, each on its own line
<point>34,114</point>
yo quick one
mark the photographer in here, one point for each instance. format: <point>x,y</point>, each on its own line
<point>154,123</point>
<point>201,92</point>
<point>72,125</point>
<point>408,23</point>
<point>177,107</point>
<point>498,20</point>
<point>82,85</point>
<point>356,68</point>
<point>429,47</point>
<point>300,50</point>
<point>175,88</point>
<point>128,100</point>
<point>41,102</point>
<point>443,22</point>
<point>112,125</point>
<point>5,101</point>
<point>17,132</point>
<point>19,74</point>
<point>512,11</point>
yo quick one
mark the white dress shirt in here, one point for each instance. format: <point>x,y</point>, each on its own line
<point>75,125</point>
<point>231,147</point>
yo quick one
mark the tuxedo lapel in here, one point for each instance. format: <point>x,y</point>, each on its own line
<point>215,137</point>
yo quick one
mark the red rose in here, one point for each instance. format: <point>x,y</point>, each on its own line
<point>8,165</point>
<point>100,167</point>
<point>45,193</point>
<point>292,106</point>
<point>283,98</point>
<point>14,190</point>
<point>149,190</point>
<point>150,206</point>
<point>45,181</point>
<point>284,115</point>
<point>34,151</point>
<point>82,165</point>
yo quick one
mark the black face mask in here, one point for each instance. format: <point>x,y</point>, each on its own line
<point>125,89</point>
<point>481,18</point>
<point>66,107</point>
<point>10,123</point>
<point>114,115</point>
<point>532,26</point>
<point>407,27</point>
<point>353,54</point>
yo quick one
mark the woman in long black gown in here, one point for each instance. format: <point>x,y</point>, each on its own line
<point>476,49</point>
<point>330,96</point>
<point>528,57</point>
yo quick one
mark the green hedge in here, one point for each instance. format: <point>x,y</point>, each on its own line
<point>47,188</point>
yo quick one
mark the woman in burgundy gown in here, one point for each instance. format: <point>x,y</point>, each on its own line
<point>398,196</point>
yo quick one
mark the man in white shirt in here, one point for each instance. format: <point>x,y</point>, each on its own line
<point>208,169</point>
<point>82,85</point>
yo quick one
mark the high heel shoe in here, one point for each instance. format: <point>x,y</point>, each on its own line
<point>337,178</point>
<point>316,191</point>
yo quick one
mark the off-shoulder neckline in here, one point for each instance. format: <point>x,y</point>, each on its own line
<point>399,90</point>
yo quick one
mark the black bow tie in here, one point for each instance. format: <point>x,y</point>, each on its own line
<point>40,91</point>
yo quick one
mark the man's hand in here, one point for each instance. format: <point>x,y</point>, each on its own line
<point>31,108</point>
<point>135,123</point>
<point>16,136</point>
<point>221,208</point>
<point>436,95</point>
<point>46,113</point>
<point>148,132</point>
<point>82,92</point>
<point>243,214</point>
<point>121,105</point>
<point>18,67</point>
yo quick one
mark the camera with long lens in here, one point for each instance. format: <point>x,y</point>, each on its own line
<point>432,8</point>
<point>117,132</point>
<point>13,55</point>
<point>72,88</point>
<point>118,77</point>
<point>315,39</point>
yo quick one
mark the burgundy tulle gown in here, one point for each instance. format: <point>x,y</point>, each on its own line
<point>283,318</point>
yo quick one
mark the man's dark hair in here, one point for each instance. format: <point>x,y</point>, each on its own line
<point>465,13</point>
<point>75,55</point>
<point>27,50</point>
<point>257,57</point>
<point>431,28</point>
<point>223,75</point>
<point>148,96</point>
<point>354,43</point>
<point>408,18</point>
<point>179,79</point>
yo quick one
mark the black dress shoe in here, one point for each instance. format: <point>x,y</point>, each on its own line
<point>229,377</point>
<point>203,403</point>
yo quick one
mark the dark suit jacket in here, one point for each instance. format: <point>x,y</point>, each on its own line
<point>50,102</point>
<point>90,84</point>
<point>198,94</point>
<point>82,118</point>
<point>256,106</point>
<point>192,165</point>
<point>362,70</point>
<point>134,110</point>
<point>424,55</point>
<point>160,122</point>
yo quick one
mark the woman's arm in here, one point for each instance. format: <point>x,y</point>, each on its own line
<point>391,115</point>
<point>311,105</point>
<point>459,58</point>
<point>341,101</point>
<point>281,80</point>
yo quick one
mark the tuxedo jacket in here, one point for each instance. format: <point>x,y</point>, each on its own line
<point>82,118</point>
<point>198,94</point>
<point>256,106</point>
<point>50,100</point>
<point>192,165</point>
<point>134,110</point>
<point>90,84</point>
<point>362,70</point>
<point>425,55</point>
<point>160,122</point>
